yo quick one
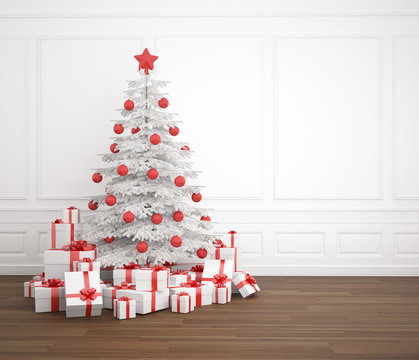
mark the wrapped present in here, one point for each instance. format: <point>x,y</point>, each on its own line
<point>234,289</point>
<point>182,303</point>
<point>197,270</point>
<point>153,279</point>
<point>230,242</point>
<point>225,253</point>
<point>213,267</point>
<point>222,289</point>
<point>59,261</point>
<point>181,276</point>
<point>71,215</point>
<point>201,294</point>
<point>86,264</point>
<point>148,301</point>
<point>40,277</point>
<point>127,274</point>
<point>63,234</point>
<point>82,294</point>
<point>104,285</point>
<point>106,273</point>
<point>29,288</point>
<point>50,296</point>
<point>124,308</point>
<point>246,284</point>
<point>113,292</point>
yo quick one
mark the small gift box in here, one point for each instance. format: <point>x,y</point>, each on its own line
<point>40,277</point>
<point>213,267</point>
<point>148,301</point>
<point>222,289</point>
<point>29,288</point>
<point>71,215</point>
<point>234,289</point>
<point>201,294</point>
<point>63,234</point>
<point>182,303</point>
<point>106,273</point>
<point>127,274</point>
<point>181,276</point>
<point>246,284</point>
<point>223,252</point>
<point>113,292</point>
<point>230,241</point>
<point>197,270</point>
<point>82,294</point>
<point>154,279</point>
<point>86,264</point>
<point>124,308</point>
<point>50,296</point>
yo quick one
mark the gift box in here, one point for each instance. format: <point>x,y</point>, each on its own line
<point>82,294</point>
<point>181,276</point>
<point>201,294</point>
<point>246,284</point>
<point>29,288</point>
<point>230,241</point>
<point>86,264</point>
<point>127,274</point>
<point>71,215</point>
<point>234,289</point>
<point>213,267</point>
<point>106,273</point>
<point>113,292</point>
<point>148,301</point>
<point>182,303</point>
<point>124,308</point>
<point>63,234</point>
<point>226,253</point>
<point>40,277</point>
<point>50,296</point>
<point>221,294</point>
<point>104,285</point>
<point>197,270</point>
<point>153,279</point>
<point>59,261</point>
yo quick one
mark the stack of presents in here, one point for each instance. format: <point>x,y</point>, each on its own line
<point>74,282</point>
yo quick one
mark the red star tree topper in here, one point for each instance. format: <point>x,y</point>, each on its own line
<point>146,61</point>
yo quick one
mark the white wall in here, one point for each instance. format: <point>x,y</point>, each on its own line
<point>303,115</point>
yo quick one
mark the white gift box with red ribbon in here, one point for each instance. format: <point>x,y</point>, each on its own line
<point>234,289</point>
<point>214,267</point>
<point>181,276</point>
<point>82,294</point>
<point>40,277</point>
<point>86,264</point>
<point>50,296</point>
<point>104,285</point>
<point>127,274</point>
<point>148,301</point>
<point>182,303</point>
<point>221,294</point>
<point>246,284</point>
<point>153,279</point>
<point>62,233</point>
<point>113,292</point>
<point>124,308</point>
<point>71,215</point>
<point>29,288</point>
<point>201,294</point>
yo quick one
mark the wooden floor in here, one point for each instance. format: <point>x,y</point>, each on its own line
<point>292,318</point>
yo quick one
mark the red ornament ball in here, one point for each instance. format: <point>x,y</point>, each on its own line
<point>122,170</point>
<point>202,253</point>
<point>97,178</point>
<point>93,205</point>
<point>178,216</point>
<point>135,130</point>
<point>186,148</point>
<point>142,247</point>
<point>205,218</point>
<point>118,129</point>
<point>176,241</point>
<point>113,148</point>
<point>152,174</point>
<point>196,197</point>
<point>128,217</point>
<point>108,239</point>
<point>156,219</point>
<point>180,181</point>
<point>110,200</point>
<point>155,139</point>
<point>128,105</point>
<point>163,103</point>
<point>174,130</point>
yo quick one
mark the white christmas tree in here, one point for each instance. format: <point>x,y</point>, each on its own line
<point>146,214</point>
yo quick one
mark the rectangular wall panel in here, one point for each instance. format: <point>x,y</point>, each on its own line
<point>407,244</point>
<point>216,90</point>
<point>300,243</point>
<point>12,242</point>
<point>249,244</point>
<point>359,244</point>
<point>327,118</point>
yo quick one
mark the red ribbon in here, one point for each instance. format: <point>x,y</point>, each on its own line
<point>131,266</point>
<point>126,299</point>
<point>198,269</point>
<point>154,276</point>
<point>54,285</point>
<point>75,247</point>
<point>183,293</point>
<point>198,290</point>
<point>54,232</point>
<point>220,271</point>
<point>218,256</point>
<point>124,286</point>
<point>232,232</point>
<point>70,215</point>
<point>128,271</point>
<point>249,280</point>
<point>89,261</point>
<point>217,289</point>
<point>220,280</point>
<point>219,243</point>
<point>30,286</point>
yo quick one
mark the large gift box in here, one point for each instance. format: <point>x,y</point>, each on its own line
<point>201,294</point>
<point>50,296</point>
<point>124,308</point>
<point>59,261</point>
<point>86,264</point>
<point>63,234</point>
<point>29,288</point>
<point>153,279</point>
<point>214,267</point>
<point>113,292</point>
<point>71,215</point>
<point>148,301</point>
<point>221,294</point>
<point>181,276</point>
<point>127,274</point>
<point>182,303</point>
<point>246,284</point>
<point>82,294</point>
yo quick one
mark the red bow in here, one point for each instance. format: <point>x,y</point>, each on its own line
<point>182,293</point>
<point>71,208</point>
<point>192,283</point>
<point>220,280</point>
<point>250,279</point>
<point>147,264</point>
<point>198,268</point>
<point>232,232</point>
<point>124,286</point>
<point>88,294</point>
<point>52,283</point>
<point>180,272</point>
<point>58,221</point>
<point>80,245</point>
<point>42,274</point>
<point>131,265</point>
<point>219,243</point>
<point>124,298</point>
<point>86,260</point>
<point>158,268</point>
